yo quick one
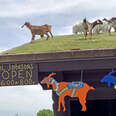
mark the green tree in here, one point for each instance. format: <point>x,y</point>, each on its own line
<point>16,114</point>
<point>45,113</point>
<point>78,28</point>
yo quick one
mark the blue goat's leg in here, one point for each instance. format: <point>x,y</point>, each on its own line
<point>109,83</point>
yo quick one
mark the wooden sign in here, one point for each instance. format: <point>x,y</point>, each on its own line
<point>18,74</point>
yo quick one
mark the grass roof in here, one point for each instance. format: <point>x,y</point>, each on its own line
<point>66,42</point>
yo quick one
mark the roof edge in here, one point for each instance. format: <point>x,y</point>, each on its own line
<point>59,55</point>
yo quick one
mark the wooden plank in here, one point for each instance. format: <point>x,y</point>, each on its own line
<point>78,64</point>
<point>58,55</point>
<point>102,93</point>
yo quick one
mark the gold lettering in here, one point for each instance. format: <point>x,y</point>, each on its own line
<point>13,74</point>
<point>20,74</point>
<point>8,82</point>
<point>21,82</point>
<point>12,82</point>
<point>31,66</point>
<point>16,82</point>
<point>30,81</point>
<point>26,82</point>
<point>9,67</point>
<point>22,67</point>
<point>2,83</point>
<point>29,74</point>
<point>5,75</point>
<point>1,67</point>
<point>16,74</point>
<point>16,66</point>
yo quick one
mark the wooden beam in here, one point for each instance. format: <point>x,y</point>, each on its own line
<point>78,64</point>
<point>58,55</point>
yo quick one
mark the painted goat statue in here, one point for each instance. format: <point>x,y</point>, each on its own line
<point>109,78</point>
<point>72,89</point>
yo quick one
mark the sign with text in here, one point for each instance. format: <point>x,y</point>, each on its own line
<point>18,74</point>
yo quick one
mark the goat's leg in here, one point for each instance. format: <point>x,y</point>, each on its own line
<point>90,32</point>
<point>42,36</point>
<point>47,36</point>
<point>109,31</point>
<point>51,34</point>
<point>59,103</point>
<point>83,103</point>
<point>63,104</point>
<point>86,35</point>
<point>33,36</point>
<point>90,35</point>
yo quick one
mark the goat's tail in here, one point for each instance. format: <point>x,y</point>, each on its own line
<point>92,88</point>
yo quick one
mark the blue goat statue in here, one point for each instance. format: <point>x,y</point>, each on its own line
<point>109,78</point>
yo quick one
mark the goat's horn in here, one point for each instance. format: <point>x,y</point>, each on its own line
<point>22,26</point>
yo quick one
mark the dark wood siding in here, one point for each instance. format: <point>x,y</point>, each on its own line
<point>79,64</point>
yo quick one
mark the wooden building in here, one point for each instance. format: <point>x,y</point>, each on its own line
<point>90,66</point>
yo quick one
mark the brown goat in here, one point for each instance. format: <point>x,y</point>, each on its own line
<point>39,30</point>
<point>112,23</point>
<point>89,26</point>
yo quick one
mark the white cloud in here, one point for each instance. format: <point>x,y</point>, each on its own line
<point>30,7</point>
<point>22,8</point>
<point>3,49</point>
<point>13,8</point>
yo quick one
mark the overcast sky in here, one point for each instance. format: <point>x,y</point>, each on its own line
<point>61,14</point>
<point>24,100</point>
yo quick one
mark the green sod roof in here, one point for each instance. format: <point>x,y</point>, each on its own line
<point>66,42</point>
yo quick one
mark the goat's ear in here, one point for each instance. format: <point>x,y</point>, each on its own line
<point>54,73</point>
<point>48,85</point>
